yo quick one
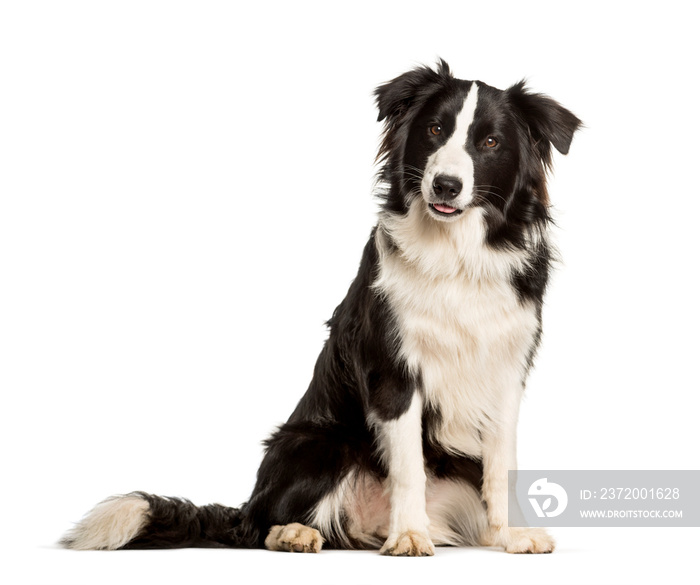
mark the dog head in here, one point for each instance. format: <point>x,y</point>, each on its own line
<point>456,144</point>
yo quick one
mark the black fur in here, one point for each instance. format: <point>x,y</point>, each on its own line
<point>178,523</point>
<point>359,370</point>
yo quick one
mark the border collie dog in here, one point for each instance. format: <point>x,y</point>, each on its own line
<point>405,436</point>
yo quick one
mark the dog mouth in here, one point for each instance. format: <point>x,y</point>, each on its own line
<point>444,210</point>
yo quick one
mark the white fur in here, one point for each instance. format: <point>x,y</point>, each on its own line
<point>461,324</point>
<point>358,512</point>
<point>401,446</point>
<point>452,158</point>
<point>431,249</point>
<point>462,327</point>
<point>110,524</point>
<point>457,514</point>
<point>337,505</point>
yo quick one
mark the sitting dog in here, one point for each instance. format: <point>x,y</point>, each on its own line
<point>405,436</point>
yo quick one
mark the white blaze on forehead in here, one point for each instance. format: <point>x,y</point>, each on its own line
<point>458,140</point>
<point>452,158</point>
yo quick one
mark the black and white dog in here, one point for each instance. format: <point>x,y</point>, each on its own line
<point>406,434</point>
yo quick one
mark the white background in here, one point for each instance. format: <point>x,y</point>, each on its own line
<point>185,192</point>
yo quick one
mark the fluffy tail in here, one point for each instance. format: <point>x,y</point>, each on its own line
<point>140,520</point>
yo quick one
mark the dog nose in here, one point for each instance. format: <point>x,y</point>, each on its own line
<point>446,186</point>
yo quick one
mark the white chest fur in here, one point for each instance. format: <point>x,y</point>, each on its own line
<point>461,325</point>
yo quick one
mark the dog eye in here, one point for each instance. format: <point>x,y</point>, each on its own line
<point>435,129</point>
<point>491,142</point>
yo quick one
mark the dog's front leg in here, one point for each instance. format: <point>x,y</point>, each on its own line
<point>499,456</point>
<point>401,444</point>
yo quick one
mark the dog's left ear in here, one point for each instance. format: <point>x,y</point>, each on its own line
<point>545,118</point>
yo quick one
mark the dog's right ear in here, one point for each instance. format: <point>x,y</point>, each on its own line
<point>395,97</point>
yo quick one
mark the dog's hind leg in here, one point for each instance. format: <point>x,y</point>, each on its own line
<point>294,537</point>
<point>305,462</point>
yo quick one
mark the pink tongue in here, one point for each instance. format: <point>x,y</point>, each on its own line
<point>444,208</point>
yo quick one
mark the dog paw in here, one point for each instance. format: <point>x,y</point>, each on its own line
<point>294,538</point>
<point>408,544</point>
<point>524,540</point>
